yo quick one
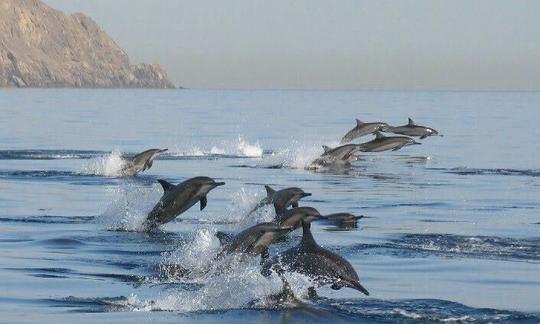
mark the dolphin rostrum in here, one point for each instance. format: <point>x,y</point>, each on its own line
<point>177,199</point>
<point>140,162</point>
<point>323,266</point>
<point>281,199</point>
<point>384,143</point>
<point>411,129</point>
<point>362,129</point>
<point>336,156</point>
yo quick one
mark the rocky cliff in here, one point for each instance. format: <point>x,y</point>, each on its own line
<point>43,47</point>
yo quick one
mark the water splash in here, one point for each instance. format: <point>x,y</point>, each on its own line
<point>229,149</point>
<point>110,165</point>
<point>129,208</point>
<point>241,210</point>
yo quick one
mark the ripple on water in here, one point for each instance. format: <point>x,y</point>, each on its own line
<point>321,310</point>
<point>455,246</point>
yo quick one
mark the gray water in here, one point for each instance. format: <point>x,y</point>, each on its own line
<point>451,227</point>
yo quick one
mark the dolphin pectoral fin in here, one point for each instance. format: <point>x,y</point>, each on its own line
<point>356,285</point>
<point>294,204</point>
<point>204,201</point>
<point>166,185</point>
<point>396,148</point>
<point>146,166</point>
<point>423,136</point>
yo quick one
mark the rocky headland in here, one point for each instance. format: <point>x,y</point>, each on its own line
<point>41,47</point>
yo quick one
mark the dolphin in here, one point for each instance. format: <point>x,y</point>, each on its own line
<point>294,217</point>
<point>177,199</point>
<point>323,266</point>
<point>385,143</point>
<point>362,129</point>
<point>254,240</point>
<point>281,199</point>
<point>411,129</point>
<point>343,220</point>
<point>291,219</point>
<point>140,162</point>
<point>335,156</point>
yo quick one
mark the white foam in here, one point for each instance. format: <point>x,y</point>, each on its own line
<point>298,156</point>
<point>242,203</point>
<point>192,151</point>
<point>229,283</point>
<point>109,165</point>
<point>238,148</point>
<point>249,150</point>
<point>129,207</point>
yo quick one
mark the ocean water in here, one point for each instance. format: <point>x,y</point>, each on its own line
<point>451,231</point>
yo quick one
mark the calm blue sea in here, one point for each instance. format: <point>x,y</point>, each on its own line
<point>451,229</point>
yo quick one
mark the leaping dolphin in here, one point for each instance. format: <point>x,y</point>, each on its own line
<point>293,218</point>
<point>341,155</point>
<point>362,129</point>
<point>411,129</point>
<point>290,219</point>
<point>386,143</point>
<point>177,199</point>
<point>323,266</point>
<point>254,240</point>
<point>281,199</point>
<point>140,162</point>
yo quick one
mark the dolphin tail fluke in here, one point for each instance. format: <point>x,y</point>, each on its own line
<point>269,191</point>
<point>204,201</point>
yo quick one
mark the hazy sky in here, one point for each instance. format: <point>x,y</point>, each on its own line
<point>334,44</point>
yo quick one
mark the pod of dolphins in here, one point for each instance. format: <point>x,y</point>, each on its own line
<point>324,267</point>
<point>346,153</point>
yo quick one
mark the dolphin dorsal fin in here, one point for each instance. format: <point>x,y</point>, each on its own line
<point>224,238</point>
<point>411,122</point>
<point>379,135</point>
<point>359,122</point>
<point>326,148</point>
<point>269,191</point>
<point>166,185</point>
<point>308,242</point>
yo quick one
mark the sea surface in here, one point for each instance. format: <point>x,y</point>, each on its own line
<point>451,228</point>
